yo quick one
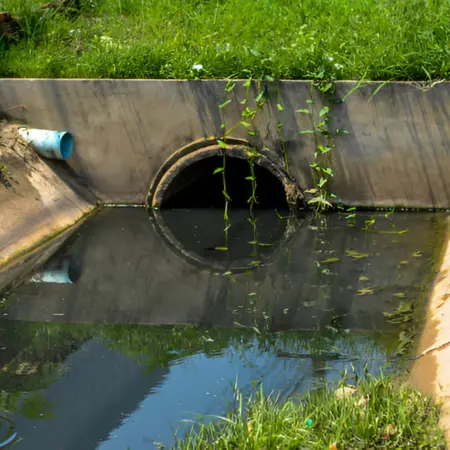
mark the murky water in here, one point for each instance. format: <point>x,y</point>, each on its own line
<point>135,325</point>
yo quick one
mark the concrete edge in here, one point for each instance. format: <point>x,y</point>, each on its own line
<point>39,238</point>
<point>431,369</point>
<point>17,270</point>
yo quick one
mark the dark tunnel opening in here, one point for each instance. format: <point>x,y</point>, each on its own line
<point>197,186</point>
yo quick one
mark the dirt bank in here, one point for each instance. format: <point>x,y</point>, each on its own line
<point>38,199</point>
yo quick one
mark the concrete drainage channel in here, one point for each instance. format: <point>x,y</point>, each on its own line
<point>128,151</point>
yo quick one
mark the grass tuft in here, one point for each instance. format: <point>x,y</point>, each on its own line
<point>379,413</point>
<point>308,39</point>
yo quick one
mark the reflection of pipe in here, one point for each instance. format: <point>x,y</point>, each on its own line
<point>9,440</point>
<point>59,270</point>
<point>49,144</point>
<point>14,434</point>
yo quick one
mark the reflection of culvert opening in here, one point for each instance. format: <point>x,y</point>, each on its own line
<point>191,182</point>
<point>198,236</point>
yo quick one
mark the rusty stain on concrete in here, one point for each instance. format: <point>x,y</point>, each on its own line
<point>36,202</point>
<point>395,153</point>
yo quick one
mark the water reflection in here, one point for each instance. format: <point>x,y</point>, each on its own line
<point>60,270</point>
<point>80,370</point>
<point>86,386</point>
<point>329,274</point>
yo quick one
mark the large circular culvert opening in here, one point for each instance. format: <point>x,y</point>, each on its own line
<point>193,183</point>
<point>187,204</point>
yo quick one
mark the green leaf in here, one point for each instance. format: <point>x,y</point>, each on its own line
<point>320,199</point>
<point>309,101</point>
<point>230,87</point>
<point>339,131</point>
<point>306,132</point>
<point>324,111</point>
<point>221,144</point>
<point>324,149</point>
<point>330,260</point>
<point>253,133</point>
<point>280,107</point>
<point>264,94</point>
<point>322,182</point>
<point>222,249</point>
<point>245,124</point>
<point>247,83</point>
<point>219,170</point>
<point>304,111</point>
<point>355,254</point>
<point>365,291</point>
<point>250,178</point>
<point>227,102</point>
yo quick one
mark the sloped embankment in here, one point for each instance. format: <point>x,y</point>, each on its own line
<point>38,199</point>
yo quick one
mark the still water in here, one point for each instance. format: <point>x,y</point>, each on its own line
<point>135,325</point>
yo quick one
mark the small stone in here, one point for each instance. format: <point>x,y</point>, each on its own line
<point>344,392</point>
<point>362,401</point>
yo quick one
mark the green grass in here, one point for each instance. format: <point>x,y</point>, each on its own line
<point>292,39</point>
<point>381,414</point>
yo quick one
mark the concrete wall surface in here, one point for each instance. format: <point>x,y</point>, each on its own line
<point>397,150</point>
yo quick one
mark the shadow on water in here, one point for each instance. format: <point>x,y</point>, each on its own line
<point>134,325</point>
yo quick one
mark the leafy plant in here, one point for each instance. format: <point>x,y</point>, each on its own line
<point>373,413</point>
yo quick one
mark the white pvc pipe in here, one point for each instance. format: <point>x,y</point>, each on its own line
<point>49,144</point>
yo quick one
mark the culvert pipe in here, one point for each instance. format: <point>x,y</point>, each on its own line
<point>190,182</point>
<point>49,144</point>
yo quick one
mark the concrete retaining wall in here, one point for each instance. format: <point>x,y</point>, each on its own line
<point>396,153</point>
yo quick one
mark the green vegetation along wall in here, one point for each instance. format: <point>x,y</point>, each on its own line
<point>308,39</point>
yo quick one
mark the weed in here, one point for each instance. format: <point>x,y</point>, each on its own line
<point>374,413</point>
<point>336,39</point>
<point>6,179</point>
